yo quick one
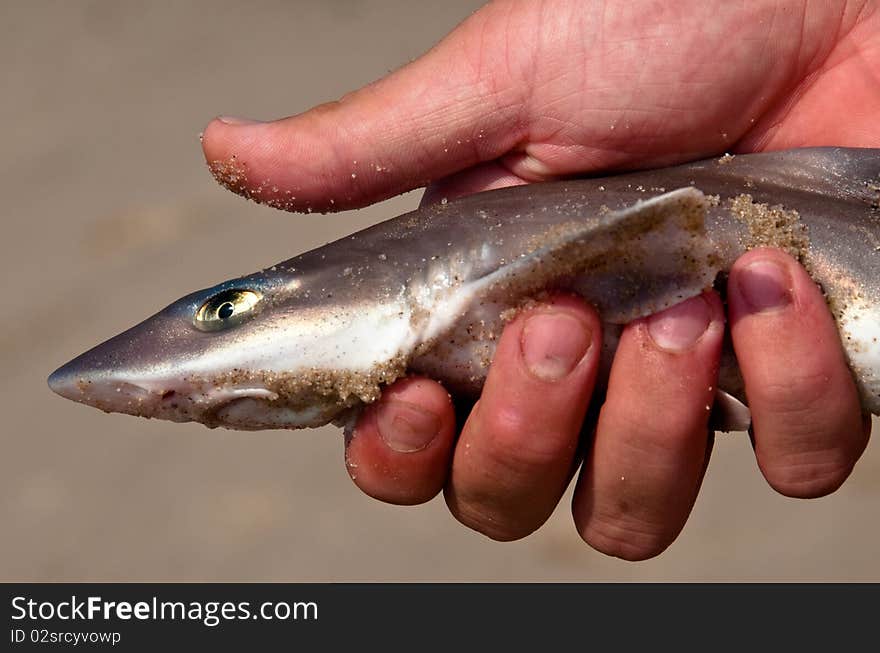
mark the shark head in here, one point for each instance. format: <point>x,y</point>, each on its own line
<point>275,349</point>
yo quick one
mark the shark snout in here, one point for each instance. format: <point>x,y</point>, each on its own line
<point>101,390</point>
<point>170,397</point>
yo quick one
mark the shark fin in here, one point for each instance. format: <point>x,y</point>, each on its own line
<point>639,260</point>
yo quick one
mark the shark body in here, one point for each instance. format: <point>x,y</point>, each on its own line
<point>311,340</point>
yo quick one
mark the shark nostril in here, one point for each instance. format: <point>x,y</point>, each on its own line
<point>168,394</point>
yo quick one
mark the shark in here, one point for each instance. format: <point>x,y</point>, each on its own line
<point>312,340</point>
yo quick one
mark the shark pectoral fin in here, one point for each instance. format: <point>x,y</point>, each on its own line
<point>729,413</point>
<point>639,260</point>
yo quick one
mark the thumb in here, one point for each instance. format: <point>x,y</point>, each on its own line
<point>444,112</point>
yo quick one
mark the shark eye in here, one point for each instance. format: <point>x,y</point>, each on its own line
<point>226,309</point>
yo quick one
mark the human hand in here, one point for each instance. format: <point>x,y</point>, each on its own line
<point>526,91</point>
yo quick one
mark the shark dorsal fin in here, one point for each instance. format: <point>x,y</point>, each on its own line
<point>640,260</point>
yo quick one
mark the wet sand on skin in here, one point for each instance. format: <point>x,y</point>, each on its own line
<point>110,214</point>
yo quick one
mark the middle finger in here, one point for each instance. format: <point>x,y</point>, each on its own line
<point>640,481</point>
<point>514,457</point>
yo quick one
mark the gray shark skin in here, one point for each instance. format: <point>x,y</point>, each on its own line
<point>311,340</point>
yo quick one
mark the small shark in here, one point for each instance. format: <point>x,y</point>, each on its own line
<point>312,340</point>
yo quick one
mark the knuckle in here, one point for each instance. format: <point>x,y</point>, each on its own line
<point>808,475</point>
<point>795,395</point>
<point>482,518</point>
<point>517,449</point>
<point>506,428</point>
<point>397,496</point>
<point>665,437</point>
<point>808,439</point>
<point>508,485</point>
<point>386,486</point>
<point>627,537</point>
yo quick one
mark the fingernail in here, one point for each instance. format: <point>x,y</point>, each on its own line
<point>765,285</point>
<point>232,120</point>
<point>553,344</point>
<point>406,427</point>
<point>679,327</point>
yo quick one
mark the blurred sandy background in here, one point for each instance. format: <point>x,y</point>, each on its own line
<point>109,214</point>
